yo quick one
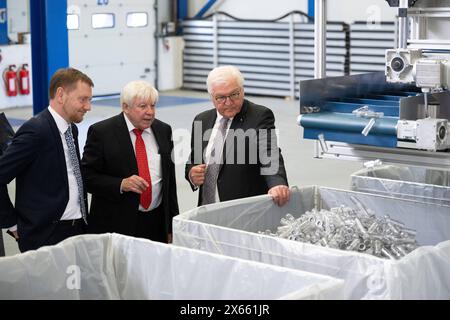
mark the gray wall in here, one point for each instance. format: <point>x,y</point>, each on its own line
<point>342,10</point>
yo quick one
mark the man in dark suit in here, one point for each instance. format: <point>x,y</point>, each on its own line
<point>234,151</point>
<point>44,159</point>
<point>128,169</point>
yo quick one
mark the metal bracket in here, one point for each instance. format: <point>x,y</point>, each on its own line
<point>410,157</point>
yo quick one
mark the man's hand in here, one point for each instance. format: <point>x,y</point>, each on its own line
<point>280,194</point>
<point>197,174</point>
<point>134,184</point>
<point>169,238</point>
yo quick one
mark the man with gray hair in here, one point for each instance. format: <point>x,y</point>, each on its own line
<point>234,151</point>
<point>129,171</point>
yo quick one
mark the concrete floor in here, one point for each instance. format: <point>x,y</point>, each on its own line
<point>302,168</point>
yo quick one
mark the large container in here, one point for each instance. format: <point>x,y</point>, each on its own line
<point>113,266</point>
<point>421,184</point>
<point>230,228</point>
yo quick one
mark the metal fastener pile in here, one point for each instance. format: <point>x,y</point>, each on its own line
<point>350,229</point>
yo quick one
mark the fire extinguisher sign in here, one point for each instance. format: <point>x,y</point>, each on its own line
<point>24,84</point>
<point>12,85</point>
<point>24,78</point>
<point>10,78</point>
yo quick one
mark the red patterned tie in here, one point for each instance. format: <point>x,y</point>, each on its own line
<point>144,171</point>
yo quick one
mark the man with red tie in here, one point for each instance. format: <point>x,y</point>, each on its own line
<point>128,169</point>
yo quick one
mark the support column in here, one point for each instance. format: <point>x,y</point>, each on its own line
<point>320,35</point>
<point>182,9</point>
<point>311,8</point>
<point>3,23</point>
<point>49,46</point>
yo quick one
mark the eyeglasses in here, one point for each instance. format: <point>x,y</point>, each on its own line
<point>233,96</point>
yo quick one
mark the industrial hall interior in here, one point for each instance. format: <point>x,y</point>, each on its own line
<point>299,147</point>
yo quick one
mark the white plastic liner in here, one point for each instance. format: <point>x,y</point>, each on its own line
<point>230,228</point>
<point>113,266</point>
<point>421,184</point>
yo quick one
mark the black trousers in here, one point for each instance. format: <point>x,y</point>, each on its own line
<point>65,229</point>
<point>150,225</point>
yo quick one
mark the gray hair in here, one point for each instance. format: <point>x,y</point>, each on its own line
<point>224,74</point>
<point>138,88</point>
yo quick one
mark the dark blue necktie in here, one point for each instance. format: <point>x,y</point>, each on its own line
<point>76,170</point>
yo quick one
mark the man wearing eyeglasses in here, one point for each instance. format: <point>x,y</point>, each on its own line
<point>234,151</point>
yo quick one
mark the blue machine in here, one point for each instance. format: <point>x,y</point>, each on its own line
<point>401,115</point>
<point>329,107</point>
<point>387,129</point>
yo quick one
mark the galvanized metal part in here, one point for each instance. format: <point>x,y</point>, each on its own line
<point>349,229</point>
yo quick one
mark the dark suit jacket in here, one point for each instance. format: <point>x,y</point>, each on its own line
<point>245,172</point>
<point>108,158</point>
<point>36,159</point>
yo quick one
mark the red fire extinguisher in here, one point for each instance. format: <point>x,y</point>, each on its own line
<point>10,77</point>
<point>24,79</point>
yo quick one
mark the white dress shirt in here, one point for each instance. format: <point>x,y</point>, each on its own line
<point>73,210</point>
<point>154,159</point>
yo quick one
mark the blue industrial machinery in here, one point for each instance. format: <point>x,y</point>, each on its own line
<point>329,107</point>
<point>401,115</point>
<point>364,117</point>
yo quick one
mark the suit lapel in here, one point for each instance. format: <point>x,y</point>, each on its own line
<point>238,123</point>
<point>160,141</point>
<point>163,148</point>
<point>123,139</point>
<point>75,139</point>
<point>57,142</point>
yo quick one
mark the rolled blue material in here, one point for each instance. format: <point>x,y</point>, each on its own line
<point>348,123</point>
